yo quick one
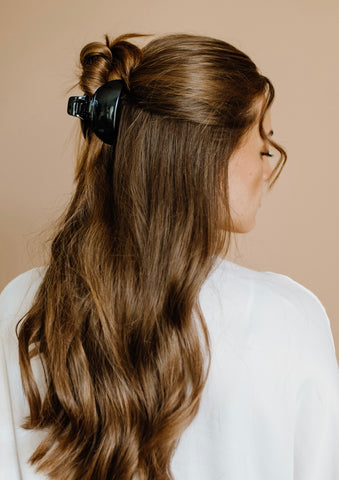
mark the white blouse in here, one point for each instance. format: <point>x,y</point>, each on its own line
<point>270,408</point>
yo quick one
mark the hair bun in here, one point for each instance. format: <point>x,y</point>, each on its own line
<point>113,60</point>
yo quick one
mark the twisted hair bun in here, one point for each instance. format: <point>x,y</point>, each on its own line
<point>112,60</point>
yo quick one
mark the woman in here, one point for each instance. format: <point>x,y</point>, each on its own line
<point>143,353</point>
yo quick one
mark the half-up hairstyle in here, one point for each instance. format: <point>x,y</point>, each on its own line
<point>116,321</point>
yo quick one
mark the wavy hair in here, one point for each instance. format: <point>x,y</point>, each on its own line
<point>116,321</point>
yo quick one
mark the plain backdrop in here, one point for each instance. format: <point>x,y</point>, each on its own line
<point>293,42</point>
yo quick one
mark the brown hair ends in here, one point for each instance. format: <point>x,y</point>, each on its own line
<point>116,320</point>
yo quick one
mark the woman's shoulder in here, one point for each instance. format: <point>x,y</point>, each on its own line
<point>17,296</point>
<point>263,285</point>
<point>272,310</point>
<point>266,299</point>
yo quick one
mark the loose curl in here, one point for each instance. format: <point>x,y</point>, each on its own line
<point>116,321</point>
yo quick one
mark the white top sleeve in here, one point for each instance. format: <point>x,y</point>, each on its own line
<point>16,443</point>
<point>316,448</point>
<point>9,462</point>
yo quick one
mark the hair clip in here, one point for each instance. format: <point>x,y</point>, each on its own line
<point>101,113</point>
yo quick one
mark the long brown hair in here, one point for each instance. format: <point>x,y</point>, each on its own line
<point>116,321</point>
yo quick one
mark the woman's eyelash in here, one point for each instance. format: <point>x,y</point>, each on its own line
<point>267,154</point>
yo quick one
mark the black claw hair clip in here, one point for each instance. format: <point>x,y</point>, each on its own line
<point>100,113</point>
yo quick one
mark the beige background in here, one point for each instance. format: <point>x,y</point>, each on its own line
<point>294,43</point>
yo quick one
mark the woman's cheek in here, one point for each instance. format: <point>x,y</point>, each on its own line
<point>258,178</point>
